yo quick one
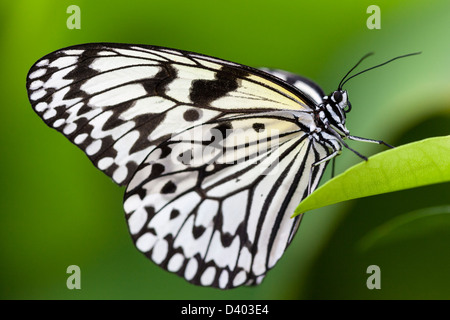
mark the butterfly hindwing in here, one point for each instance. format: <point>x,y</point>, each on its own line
<point>216,214</point>
<point>309,88</point>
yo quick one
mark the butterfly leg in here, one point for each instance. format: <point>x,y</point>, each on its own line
<point>370,141</point>
<point>327,158</point>
<point>342,142</point>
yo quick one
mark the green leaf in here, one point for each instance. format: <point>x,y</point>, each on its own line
<point>412,165</point>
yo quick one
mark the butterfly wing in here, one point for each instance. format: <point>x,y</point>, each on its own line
<point>135,111</point>
<point>218,214</point>
<point>309,88</point>
<point>118,102</point>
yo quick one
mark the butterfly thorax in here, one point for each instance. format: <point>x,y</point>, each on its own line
<point>330,115</point>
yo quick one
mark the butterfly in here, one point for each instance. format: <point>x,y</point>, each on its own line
<point>215,155</point>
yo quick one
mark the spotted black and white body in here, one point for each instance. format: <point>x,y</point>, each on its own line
<point>143,114</point>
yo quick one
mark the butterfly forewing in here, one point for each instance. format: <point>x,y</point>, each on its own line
<point>217,155</point>
<point>118,102</point>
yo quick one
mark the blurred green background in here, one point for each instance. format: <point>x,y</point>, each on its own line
<point>58,210</point>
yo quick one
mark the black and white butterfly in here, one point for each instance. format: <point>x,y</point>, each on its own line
<point>215,155</point>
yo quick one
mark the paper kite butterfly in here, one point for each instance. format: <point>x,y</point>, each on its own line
<point>215,155</point>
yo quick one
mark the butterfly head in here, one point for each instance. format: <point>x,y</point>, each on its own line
<point>333,112</point>
<point>340,99</point>
<point>336,105</point>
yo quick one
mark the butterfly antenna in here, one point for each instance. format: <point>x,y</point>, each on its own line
<point>341,84</point>
<point>360,60</point>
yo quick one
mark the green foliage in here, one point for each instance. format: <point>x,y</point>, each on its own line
<point>409,166</point>
<point>408,225</point>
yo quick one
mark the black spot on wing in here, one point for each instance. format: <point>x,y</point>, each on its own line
<point>191,115</point>
<point>169,187</point>
<point>226,239</point>
<point>165,149</point>
<point>197,231</point>
<point>157,170</point>
<point>150,214</point>
<point>156,84</point>
<point>259,127</point>
<point>175,213</point>
<point>227,80</point>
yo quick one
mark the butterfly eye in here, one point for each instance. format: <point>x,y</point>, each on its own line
<point>337,96</point>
